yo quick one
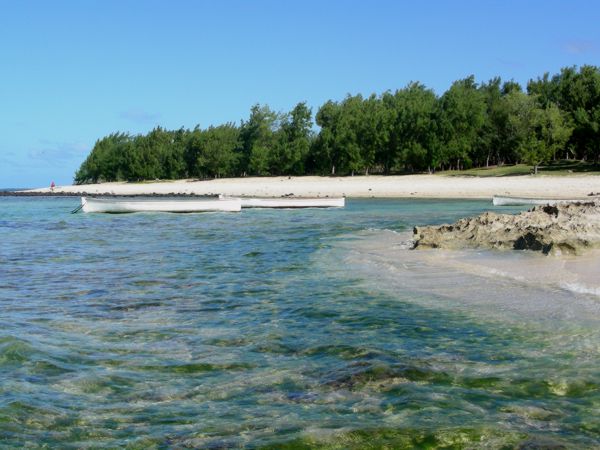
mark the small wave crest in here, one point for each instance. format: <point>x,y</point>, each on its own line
<point>15,351</point>
<point>398,240</point>
<point>27,358</point>
<point>581,288</point>
<point>482,281</point>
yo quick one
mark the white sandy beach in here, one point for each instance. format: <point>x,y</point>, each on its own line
<point>415,186</point>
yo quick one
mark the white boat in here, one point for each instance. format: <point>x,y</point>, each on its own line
<point>499,200</point>
<point>165,204</point>
<point>293,202</point>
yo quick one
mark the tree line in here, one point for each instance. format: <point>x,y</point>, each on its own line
<point>406,131</point>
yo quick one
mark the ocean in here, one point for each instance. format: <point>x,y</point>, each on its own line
<point>313,328</point>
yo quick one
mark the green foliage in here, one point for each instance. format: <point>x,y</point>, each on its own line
<point>495,144</point>
<point>412,137</point>
<point>538,132</point>
<point>461,117</point>
<point>409,130</point>
<point>108,160</point>
<point>554,129</point>
<point>577,96</point>
<point>212,153</point>
<point>524,116</point>
<point>258,139</point>
<point>294,141</point>
<point>324,155</point>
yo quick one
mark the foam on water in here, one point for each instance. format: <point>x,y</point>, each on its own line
<point>526,284</point>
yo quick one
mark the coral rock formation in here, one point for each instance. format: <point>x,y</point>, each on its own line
<point>567,228</point>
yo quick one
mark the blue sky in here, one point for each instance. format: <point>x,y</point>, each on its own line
<point>74,71</point>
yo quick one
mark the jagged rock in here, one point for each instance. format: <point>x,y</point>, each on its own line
<point>562,229</point>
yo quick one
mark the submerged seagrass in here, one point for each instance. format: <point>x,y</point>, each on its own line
<point>551,229</point>
<point>293,328</point>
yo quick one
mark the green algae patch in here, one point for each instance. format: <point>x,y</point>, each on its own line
<point>193,368</point>
<point>383,438</point>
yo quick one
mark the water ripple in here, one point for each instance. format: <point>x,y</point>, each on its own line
<point>278,329</point>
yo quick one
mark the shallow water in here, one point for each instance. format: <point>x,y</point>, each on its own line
<point>297,328</point>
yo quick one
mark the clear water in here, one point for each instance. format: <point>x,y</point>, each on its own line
<point>287,329</point>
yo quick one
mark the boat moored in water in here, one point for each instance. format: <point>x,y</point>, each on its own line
<point>294,202</point>
<point>499,200</point>
<point>166,204</point>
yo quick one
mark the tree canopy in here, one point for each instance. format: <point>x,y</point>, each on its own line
<point>410,130</point>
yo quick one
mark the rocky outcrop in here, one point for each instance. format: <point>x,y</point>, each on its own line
<point>562,229</point>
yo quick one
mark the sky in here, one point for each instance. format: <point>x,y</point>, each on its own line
<point>72,72</point>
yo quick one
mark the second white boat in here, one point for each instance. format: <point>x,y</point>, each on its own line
<point>293,202</point>
<point>499,200</point>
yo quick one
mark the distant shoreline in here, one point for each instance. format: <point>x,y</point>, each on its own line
<point>40,193</point>
<point>372,186</point>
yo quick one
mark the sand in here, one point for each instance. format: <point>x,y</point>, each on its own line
<point>411,186</point>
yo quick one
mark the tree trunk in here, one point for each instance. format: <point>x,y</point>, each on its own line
<point>333,169</point>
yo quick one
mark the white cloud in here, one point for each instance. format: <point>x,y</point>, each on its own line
<point>511,64</point>
<point>578,47</point>
<point>139,116</point>
<point>58,154</point>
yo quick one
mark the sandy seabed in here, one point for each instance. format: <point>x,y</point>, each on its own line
<point>406,186</point>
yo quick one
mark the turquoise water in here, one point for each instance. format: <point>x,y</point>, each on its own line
<point>283,329</point>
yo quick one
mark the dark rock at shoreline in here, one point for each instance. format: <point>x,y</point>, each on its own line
<point>39,194</point>
<point>88,194</point>
<point>568,228</point>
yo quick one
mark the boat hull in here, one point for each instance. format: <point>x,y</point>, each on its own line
<point>130,205</point>
<point>499,200</point>
<point>293,202</point>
